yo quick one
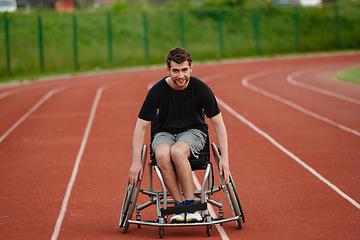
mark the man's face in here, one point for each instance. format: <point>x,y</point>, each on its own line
<point>180,74</point>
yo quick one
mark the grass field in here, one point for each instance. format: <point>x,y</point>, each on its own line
<point>350,75</point>
<point>54,43</point>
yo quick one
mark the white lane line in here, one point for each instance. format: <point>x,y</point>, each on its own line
<point>21,87</point>
<point>287,152</point>
<point>245,83</point>
<point>13,91</point>
<point>77,163</point>
<point>220,229</point>
<point>36,106</point>
<point>291,80</point>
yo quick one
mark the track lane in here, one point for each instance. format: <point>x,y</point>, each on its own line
<point>270,121</point>
<point>34,108</point>
<point>328,79</point>
<point>14,106</point>
<point>117,110</point>
<point>346,147</point>
<point>318,111</point>
<point>35,166</point>
<point>278,197</point>
<point>39,152</point>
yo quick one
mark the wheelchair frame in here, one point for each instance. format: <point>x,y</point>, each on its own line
<point>158,198</point>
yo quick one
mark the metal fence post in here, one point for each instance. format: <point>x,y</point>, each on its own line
<point>76,63</point>
<point>337,26</point>
<point>221,33</point>
<point>7,45</point>
<point>146,38</point>
<point>182,28</point>
<point>41,44</point>
<point>297,29</point>
<point>110,38</point>
<point>256,31</point>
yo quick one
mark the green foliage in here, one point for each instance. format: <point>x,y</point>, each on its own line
<point>185,4</point>
<point>208,33</point>
<point>121,5</point>
<point>222,3</point>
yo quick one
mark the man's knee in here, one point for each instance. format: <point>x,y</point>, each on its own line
<point>162,153</point>
<point>180,152</point>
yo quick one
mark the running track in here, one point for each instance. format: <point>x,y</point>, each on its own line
<point>294,141</point>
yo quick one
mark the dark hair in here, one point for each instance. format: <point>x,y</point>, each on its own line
<point>178,55</point>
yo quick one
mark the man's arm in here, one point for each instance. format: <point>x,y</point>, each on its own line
<point>221,137</point>
<point>138,141</point>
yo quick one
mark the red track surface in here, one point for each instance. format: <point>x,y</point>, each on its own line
<point>42,138</point>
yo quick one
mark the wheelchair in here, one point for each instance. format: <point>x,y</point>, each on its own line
<point>203,197</point>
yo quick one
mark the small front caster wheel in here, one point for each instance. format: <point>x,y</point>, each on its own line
<point>209,230</point>
<point>161,232</point>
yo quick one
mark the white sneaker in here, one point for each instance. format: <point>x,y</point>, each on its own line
<point>178,218</point>
<point>193,217</point>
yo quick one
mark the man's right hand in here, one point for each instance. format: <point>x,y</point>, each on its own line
<point>138,141</point>
<point>136,171</point>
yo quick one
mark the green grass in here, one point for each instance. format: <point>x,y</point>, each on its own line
<point>350,75</point>
<point>319,30</point>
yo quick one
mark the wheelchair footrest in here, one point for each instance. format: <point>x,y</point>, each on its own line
<point>184,209</point>
<point>156,224</point>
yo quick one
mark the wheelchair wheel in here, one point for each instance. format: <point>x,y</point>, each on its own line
<point>236,197</point>
<point>130,198</point>
<point>230,191</point>
<point>161,232</point>
<point>234,202</point>
<point>209,230</point>
<point>128,207</point>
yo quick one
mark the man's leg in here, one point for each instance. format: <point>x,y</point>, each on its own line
<point>177,156</point>
<point>180,153</point>
<point>163,158</point>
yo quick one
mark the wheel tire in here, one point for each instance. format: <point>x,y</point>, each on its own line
<point>161,232</point>
<point>230,191</point>
<point>128,207</point>
<point>130,198</point>
<point>234,204</point>
<point>236,197</point>
<point>209,230</point>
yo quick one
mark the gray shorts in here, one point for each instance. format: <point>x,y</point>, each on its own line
<point>195,138</point>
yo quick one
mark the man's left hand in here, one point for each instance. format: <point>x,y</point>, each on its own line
<point>224,169</point>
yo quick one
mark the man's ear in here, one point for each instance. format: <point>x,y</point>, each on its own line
<point>167,69</point>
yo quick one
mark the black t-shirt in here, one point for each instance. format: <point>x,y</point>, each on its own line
<point>179,110</point>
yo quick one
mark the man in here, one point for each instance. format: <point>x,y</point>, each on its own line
<point>181,101</point>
